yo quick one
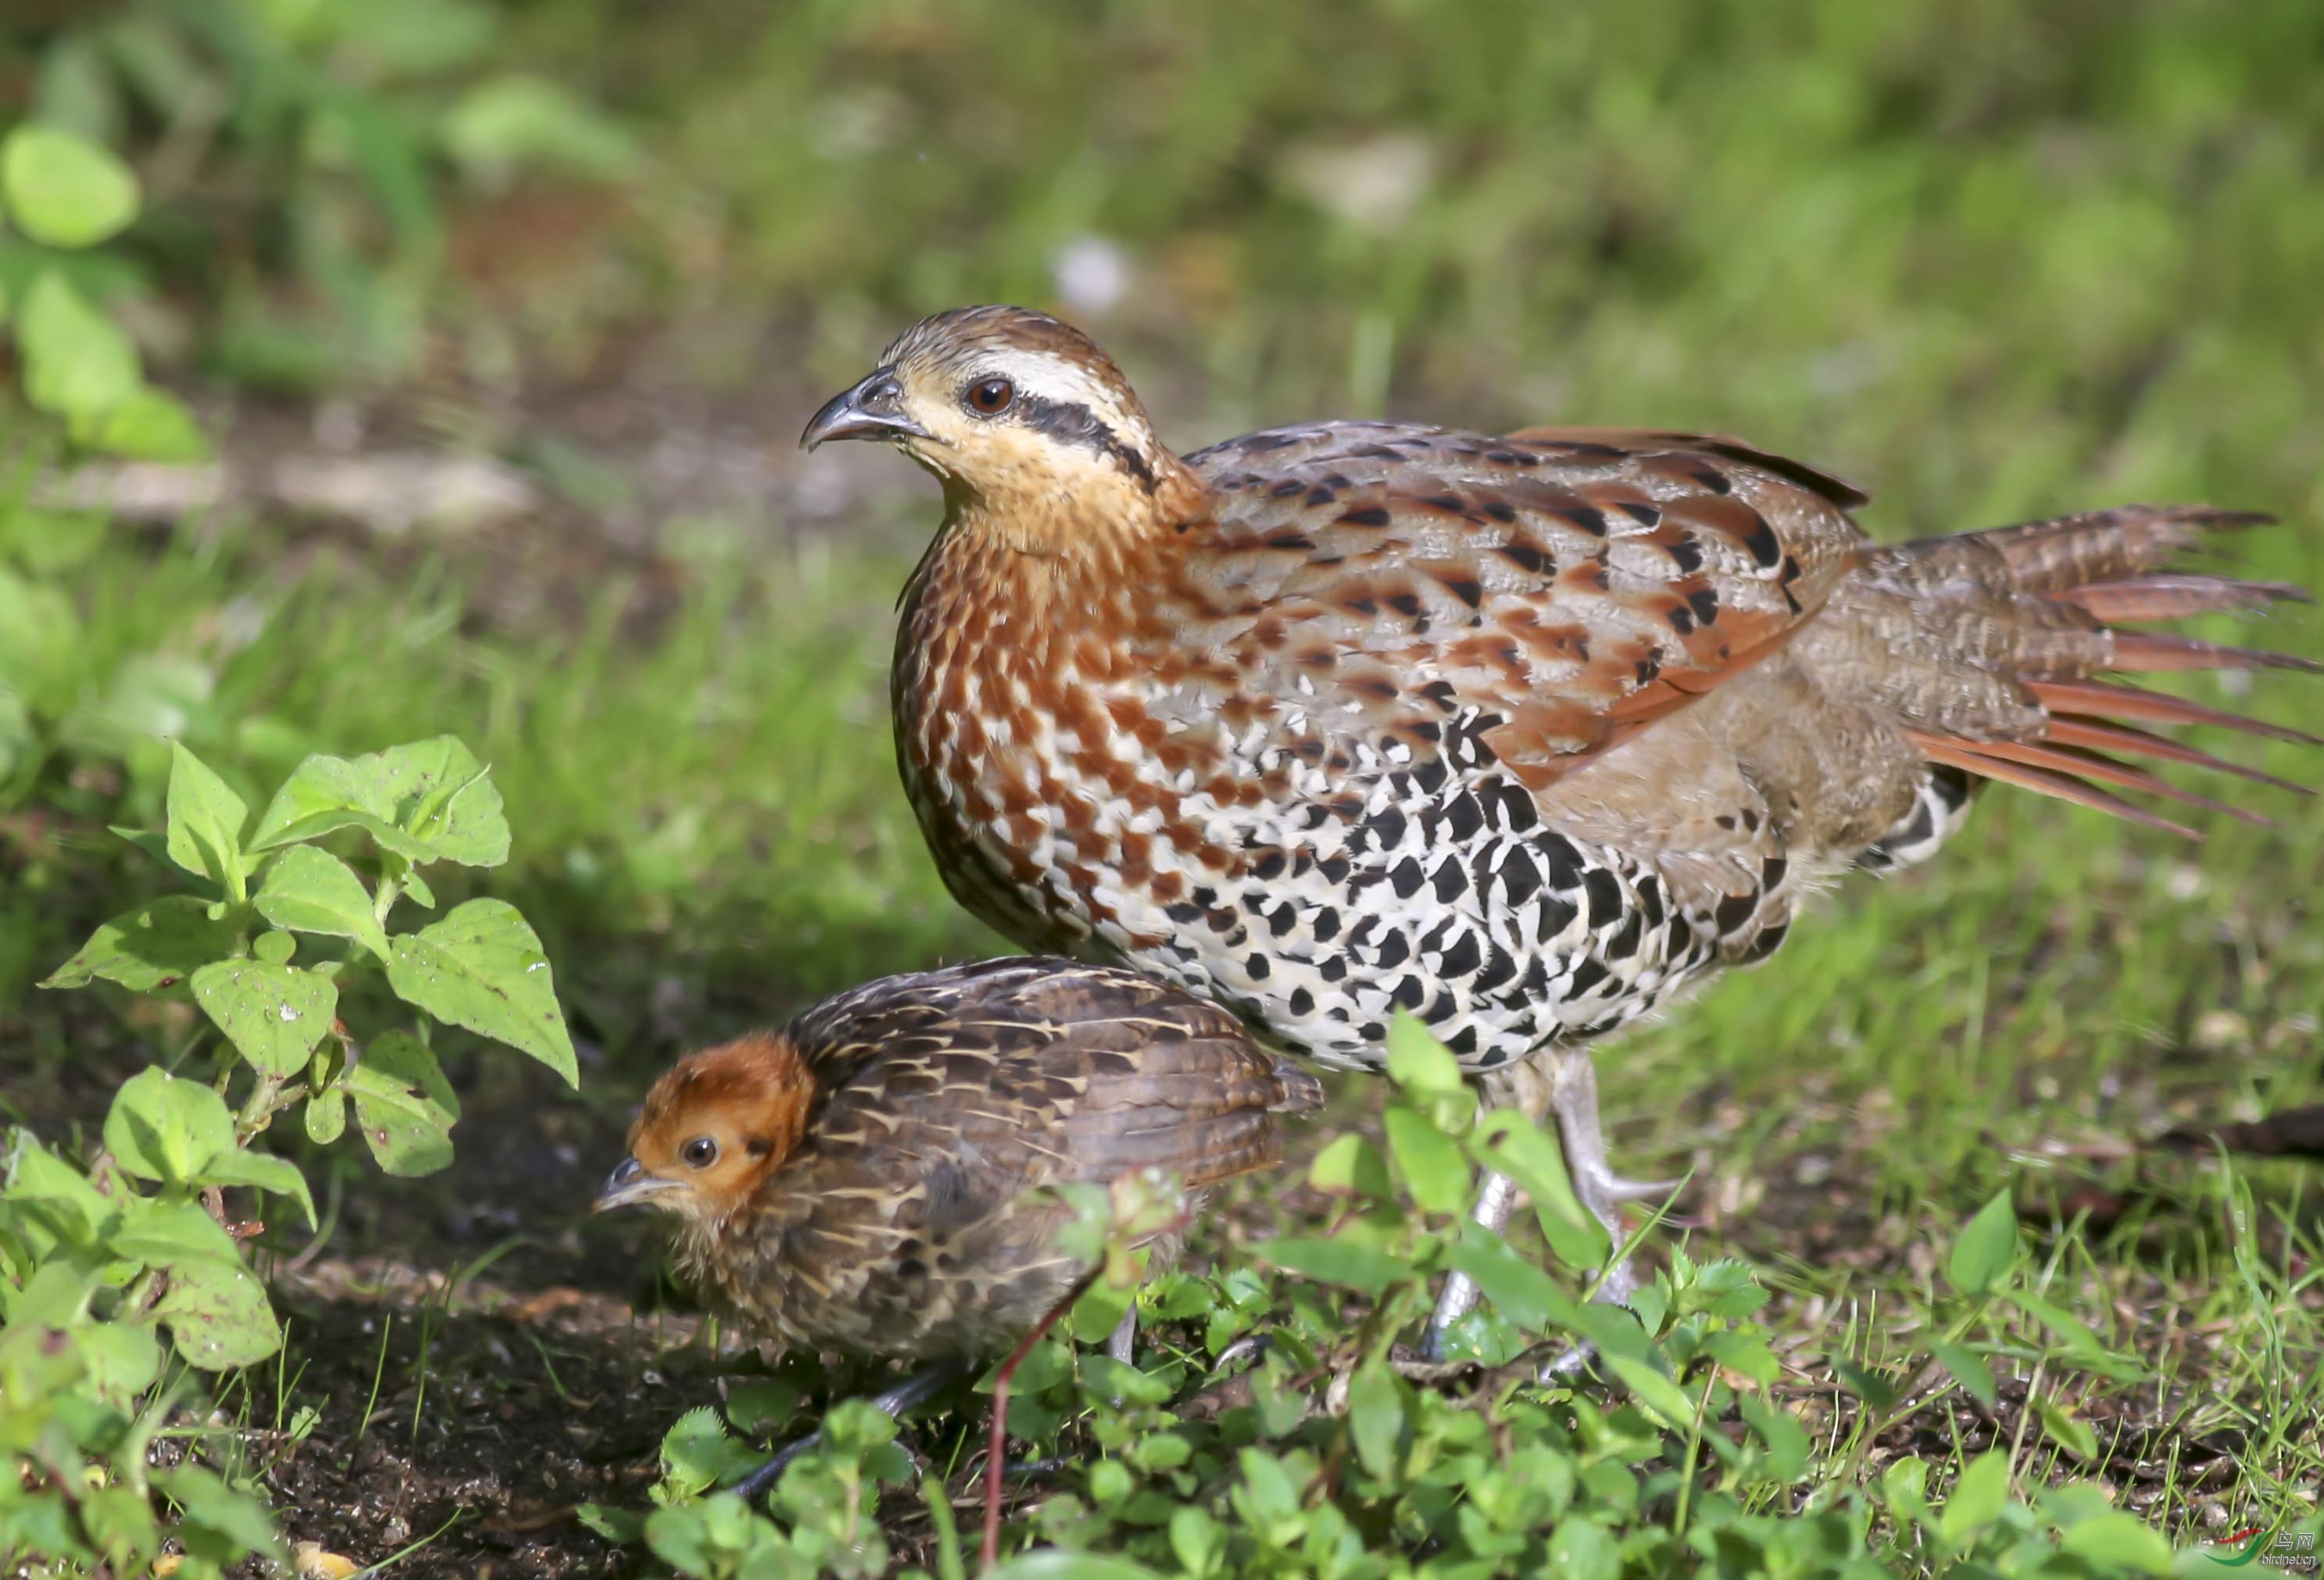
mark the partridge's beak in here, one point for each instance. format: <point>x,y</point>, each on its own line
<point>630,1184</point>
<point>874,409</point>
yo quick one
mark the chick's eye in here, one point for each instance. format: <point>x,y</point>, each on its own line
<point>991,397</point>
<point>701,1151</point>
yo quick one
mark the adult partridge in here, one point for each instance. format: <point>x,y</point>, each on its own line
<point>1523,733</point>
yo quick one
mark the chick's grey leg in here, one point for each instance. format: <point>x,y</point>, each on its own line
<point>1122,1344</point>
<point>909,1394</point>
<point>1496,1200</point>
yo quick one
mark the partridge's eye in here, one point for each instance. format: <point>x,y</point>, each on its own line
<point>991,397</point>
<point>701,1151</point>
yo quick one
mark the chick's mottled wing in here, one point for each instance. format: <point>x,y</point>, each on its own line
<point>953,1095</point>
<point>1572,585</point>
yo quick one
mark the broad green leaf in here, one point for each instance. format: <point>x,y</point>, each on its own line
<point>149,425</point>
<point>1349,1166</point>
<point>1519,1290</point>
<point>1434,1168</point>
<point>2086,1349</point>
<point>403,1106</point>
<point>1376,1418</point>
<point>273,1014</point>
<point>1746,1354</point>
<point>168,1233</point>
<point>327,1115</point>
<point>123,1359</point>
<point>64,190</point>
<point>482,967</point>
<point>1662,1399</point>
<point>506,126</point>
<point>39,1176</point>
<point>1978,1500</point>
<point>210,1502</point>
<point>2068,1431</point>
<point>1509,1143</point>
<point>150,950</point>
<point>1416,1061</point>
<point>1786,1439</point>
<point>162,1128</point>
<point>1968,1369</point>
<point>273,948</point>
<point>1986,1247</point>
<point>262,1171</point>
<point>217,1314</point>
<point>1336,1262</point>
<point>311,890</point>
<point>2117,1541</point>
<point>206,822</point>
<point>431,800</point>
<point>77,364</point>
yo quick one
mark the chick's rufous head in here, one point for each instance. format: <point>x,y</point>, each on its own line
<point>1030,427</point>
<point>714,1128</point>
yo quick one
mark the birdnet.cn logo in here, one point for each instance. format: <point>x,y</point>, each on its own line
<point>2292,1550</point>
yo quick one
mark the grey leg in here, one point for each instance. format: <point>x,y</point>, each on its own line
<point>910,1393</point>
<point>1494,1203</point>
<point>1122,1344</point>
<point>1573,1099</point>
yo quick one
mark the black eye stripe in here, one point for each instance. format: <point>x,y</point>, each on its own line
<point>1070,422</point>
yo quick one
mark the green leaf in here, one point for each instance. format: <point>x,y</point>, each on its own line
<point>1986,1247</point>
<point>505,126</point>
<point>431,800</point>
<point>1519,1290</point>
<point>1376,1418</point>
<point>39,1176</point>
<point>64,190</point>
<point>237,1518</point>
<point>1057,1563</point>
<point>1336,1262</point>
<point>273,1014</point>
<point>206,822</point>
<point>403,1106</point>
<point>1662,1399</point>
<point>149,425</point>
<point>327,1116</point>
<point>170,1234</point>
<point>1978,1500</point>
<point>1416,1061</point>
<point>217,1315</point>
<point>696,1453</point>
<point>77,364</point>
<point>1434,1168</point>
<point>2116,1540</point>
<point>150,950</point>
<point>2068,1431</point>
<point>123,1359</point>
<point>1509,1143</point>
<point>262,1171</point>
<point>1349,1166</point>
<point>1968,1369</point>
<point>311,890</point>
<point>482,967</point>
<point>162,1128</point>
<point>1786,1439</point>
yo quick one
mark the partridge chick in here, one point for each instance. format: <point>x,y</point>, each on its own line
<point>868,1179</point>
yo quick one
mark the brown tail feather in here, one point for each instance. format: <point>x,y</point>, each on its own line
<point>2106,545</point>
<point>2068,729</point>
<point>2173,597</point>
<point>1972,759</point>
<point>2039,608</point>
<point>2153,652</point>
<point>2101,698</point>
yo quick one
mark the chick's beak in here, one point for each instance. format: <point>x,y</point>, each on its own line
<point>629,1183</point>
<point>874,409</point>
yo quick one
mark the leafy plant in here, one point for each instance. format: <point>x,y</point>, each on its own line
<point>95,1263</point>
